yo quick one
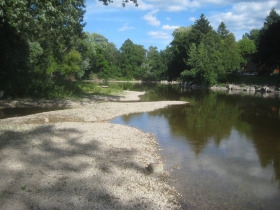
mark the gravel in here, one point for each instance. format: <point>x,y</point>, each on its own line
<point>76,159</point>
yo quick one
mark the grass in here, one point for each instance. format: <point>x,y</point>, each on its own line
<point>96,89</point>
<point>62,89</point>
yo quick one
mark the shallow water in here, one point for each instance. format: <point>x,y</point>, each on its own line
<point>222,149</point>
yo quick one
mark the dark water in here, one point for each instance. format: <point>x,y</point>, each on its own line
<point>223,149</point>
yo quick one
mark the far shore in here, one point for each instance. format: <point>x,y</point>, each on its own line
<point>76,159</point>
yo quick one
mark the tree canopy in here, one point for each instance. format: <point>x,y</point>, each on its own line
<point>43,43</point>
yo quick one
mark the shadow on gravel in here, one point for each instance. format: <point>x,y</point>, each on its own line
<point>53,168</point>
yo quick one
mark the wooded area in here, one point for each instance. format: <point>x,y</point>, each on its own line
<point>44,48</point>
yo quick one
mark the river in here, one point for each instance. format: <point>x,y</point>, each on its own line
<point>222,149</point>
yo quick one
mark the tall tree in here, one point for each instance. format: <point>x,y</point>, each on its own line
<point>48,25</point>
<point>178,52</point>
<point>132,56</point>
<point>222,30</point>
<point>199,30</point>
<point>253,35</point>
<point>268,46</point>
<point>273,17</point>
<point>246,48</point>
<point>155,61</point>
<point>205,61</point>
<point>229,50</point>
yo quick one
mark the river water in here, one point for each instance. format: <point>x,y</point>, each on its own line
<point>222,149</point>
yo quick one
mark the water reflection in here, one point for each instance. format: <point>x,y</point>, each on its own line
<point>226,146</point>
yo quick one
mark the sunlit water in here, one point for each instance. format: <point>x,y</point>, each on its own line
<point>223,149</point>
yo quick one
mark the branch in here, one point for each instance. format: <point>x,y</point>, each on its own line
<point>106,2</point>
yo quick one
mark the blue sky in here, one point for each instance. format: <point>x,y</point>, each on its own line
<point>153,21</point>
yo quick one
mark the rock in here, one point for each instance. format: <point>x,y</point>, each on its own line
<point>46,120</point>
<point>229,87</point>
<point>263,89</point>
<point>155,167</point>
<point>257,89</point>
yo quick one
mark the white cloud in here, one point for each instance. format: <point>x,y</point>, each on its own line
<point>159,35</point>
<point>173,5</point>
<point>175,8</point>
<point>126,27</point>
<point>169,28</point>
<point>244,16</point>
<point>192,19</point>
<point>151,18</point>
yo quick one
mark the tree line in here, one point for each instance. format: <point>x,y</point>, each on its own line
<point>43,44</point>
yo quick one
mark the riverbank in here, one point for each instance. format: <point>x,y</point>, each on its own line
<point>69,103</point>
<point>75,158</point>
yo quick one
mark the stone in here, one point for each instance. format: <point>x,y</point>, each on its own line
<point>229,86</point>
<point>155,167</point>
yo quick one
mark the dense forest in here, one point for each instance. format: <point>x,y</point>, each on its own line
<point>44,47</point>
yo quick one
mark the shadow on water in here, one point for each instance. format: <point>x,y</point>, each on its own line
<point>222,149</point>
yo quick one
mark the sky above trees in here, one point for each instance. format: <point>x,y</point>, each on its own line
<point>153,21</point>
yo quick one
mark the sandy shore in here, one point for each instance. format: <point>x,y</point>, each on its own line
<point>76,159</point>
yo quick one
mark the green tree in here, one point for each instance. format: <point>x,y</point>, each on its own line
<point>180,46</point>
<point>246,48</point>
<point>222,30</point>
<point>229,50</point>
<point>268,46</point>
<point>112,55</point>
<point>253,35</point>
<point>101,64</point>
<point>44,31</point>
<point>132,57</point>
<point>71,64</point>
<point>206,66</point>
<point>272,18</point>
<point>155,60</point>
<point>178,52</point>
<point>200,29</point>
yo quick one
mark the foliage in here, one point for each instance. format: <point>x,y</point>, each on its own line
<point>253,35</point>
<point>222,30</point>
<point>246,47</point>
<point>268,45</point>
<point>230,53</point>
<point>71,63</point>
<point>132,56</point>
<point>106,2</point>
<point>43,45</point>
<point>205,66</point>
